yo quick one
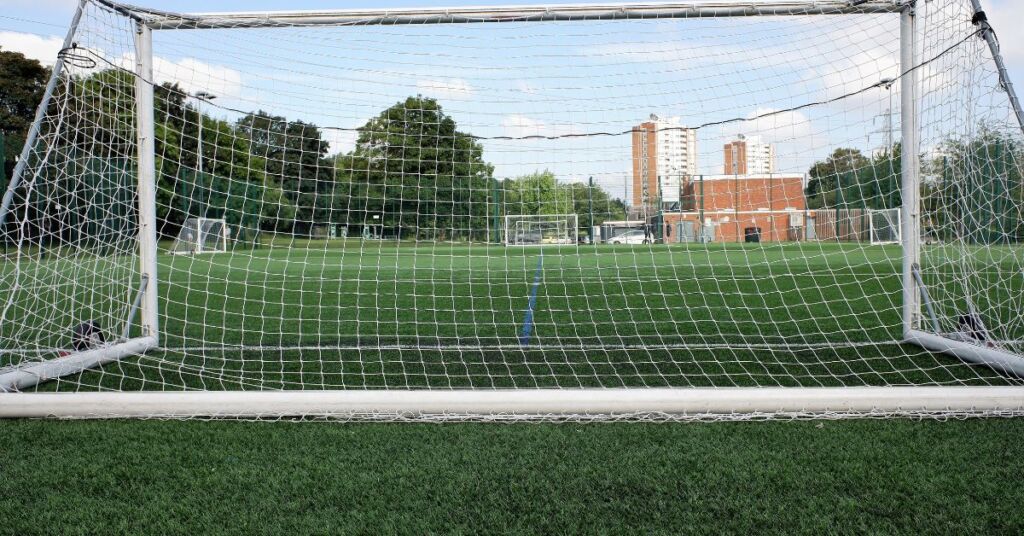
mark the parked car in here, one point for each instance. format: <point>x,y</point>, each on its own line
<point>636,236</point>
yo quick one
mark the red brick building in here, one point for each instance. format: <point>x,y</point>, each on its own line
<point>735,157</point>
<point>645,164</point>
<point>731,204</point>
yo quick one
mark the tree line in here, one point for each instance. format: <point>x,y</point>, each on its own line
<point>972,188</point>
<point>412,173</point>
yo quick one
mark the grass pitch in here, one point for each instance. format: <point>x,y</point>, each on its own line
<point>191,477</point>
<point>373,314</point>
<point>376,314</point>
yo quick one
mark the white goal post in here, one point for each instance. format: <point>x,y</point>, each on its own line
<point>445,149</point>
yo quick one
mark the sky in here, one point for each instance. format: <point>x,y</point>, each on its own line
<point>558,79</point>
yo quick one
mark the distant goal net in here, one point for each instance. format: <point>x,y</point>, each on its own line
<point>553,230</point>
<point>201,235</point>
<point>702,210</point>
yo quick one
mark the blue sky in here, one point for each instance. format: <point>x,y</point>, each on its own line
<point>548,79</point>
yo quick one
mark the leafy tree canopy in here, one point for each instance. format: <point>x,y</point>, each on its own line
<point>22,82</point>
<point>418,173</point>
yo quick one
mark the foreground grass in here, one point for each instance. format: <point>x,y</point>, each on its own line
<point>237,477</point>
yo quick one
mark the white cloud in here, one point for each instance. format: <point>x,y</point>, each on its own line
<point>47,5</point>
<point>38,47</point>
<point>341,141</point>
<point>193,75</point>
<point>448,88</point>
<point>526,87</point>
<point>517,126</point>
<point>775,126</point>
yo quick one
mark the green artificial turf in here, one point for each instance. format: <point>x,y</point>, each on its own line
<point>195,477</point>
<point>357,315</point>
<point>352,314</point>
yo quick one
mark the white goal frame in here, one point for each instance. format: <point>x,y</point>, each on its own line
<point>552,403</point>
<point>898,227</point>
<point>513,229</point>
<point>200,239</point>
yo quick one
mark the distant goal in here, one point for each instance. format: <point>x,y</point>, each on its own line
<point>201,235</point>
<point>541,230</point>
<point>885,226</point>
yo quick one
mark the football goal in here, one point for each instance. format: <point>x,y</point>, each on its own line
<point>885,226</point>
<point>201,235</point>
<point>462,149</point>
<point>544,230</point>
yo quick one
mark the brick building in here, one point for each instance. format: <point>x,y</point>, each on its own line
<point>748,156</point>
<point>664,155</point>
<point>729,205</point>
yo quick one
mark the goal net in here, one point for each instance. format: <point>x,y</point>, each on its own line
<point>523,230</point>
<point>760,148</point>
<point>201,235</point>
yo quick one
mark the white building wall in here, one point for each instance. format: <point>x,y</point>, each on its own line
<point>760,156</point>
<point>677,155</point>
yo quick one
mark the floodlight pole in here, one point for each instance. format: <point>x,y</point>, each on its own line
<point>911,168</point>
<point>200,97</point>
<point>146,147</point>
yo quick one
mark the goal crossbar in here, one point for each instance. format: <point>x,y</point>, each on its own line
<point>159,20</point>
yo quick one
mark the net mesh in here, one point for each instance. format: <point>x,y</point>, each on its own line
<point>368,174</point>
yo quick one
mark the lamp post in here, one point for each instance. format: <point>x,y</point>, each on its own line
<point>201,96</point>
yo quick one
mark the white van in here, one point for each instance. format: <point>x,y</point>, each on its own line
<point>636,236</point>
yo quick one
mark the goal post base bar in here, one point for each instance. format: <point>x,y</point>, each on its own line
<point>31,374</point>
<point>699,403</point>
<point>999,360</point>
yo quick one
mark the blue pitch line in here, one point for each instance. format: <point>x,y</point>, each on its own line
<point>524,338</point>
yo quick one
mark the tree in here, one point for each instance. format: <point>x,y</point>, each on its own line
<point>537,194</point>
<point>977,188</point>
<point>22,82</point>
<point>586,197</point>
<point>293,155</point>
<point>418,173</point>
<point>540,193</point>
<point>823,187</point>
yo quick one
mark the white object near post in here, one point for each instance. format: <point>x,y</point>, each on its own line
<point>147,178</point>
